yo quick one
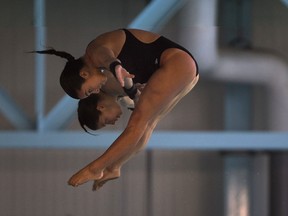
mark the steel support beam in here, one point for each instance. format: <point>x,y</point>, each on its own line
<point>156,14</point>
<point>171,140</point>
<point>61,115</point>
<point>40,69</point>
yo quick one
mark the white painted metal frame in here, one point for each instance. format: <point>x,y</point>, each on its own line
<point>173,140</point>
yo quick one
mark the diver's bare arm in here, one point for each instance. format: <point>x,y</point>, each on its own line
<point>103,56</point>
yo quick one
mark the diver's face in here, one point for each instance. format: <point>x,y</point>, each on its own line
<point>92,84</point>
<point>110,111</point>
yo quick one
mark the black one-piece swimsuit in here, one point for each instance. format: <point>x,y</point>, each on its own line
<point>143,59</point>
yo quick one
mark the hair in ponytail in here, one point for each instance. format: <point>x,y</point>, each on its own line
<point>88,115</point>
<point>52,51</point>
<point>70,80</point>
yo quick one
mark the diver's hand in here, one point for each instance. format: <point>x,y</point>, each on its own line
<point>121,74</point>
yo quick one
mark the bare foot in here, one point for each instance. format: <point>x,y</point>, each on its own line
<point>107,176</point>
<point>84,175</point>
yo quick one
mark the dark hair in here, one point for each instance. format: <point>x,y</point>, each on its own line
<point>88,115</point>
<point>70,80</point>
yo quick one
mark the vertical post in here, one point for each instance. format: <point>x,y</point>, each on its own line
<point>237,176</point>
<point>243,195</point>
<point>198,31</point>
<point>40,40</point>
<point>246,188</point>
<point>238,107</point>
<point>237,182</point>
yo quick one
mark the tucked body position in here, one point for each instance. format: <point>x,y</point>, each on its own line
<point>168,70</point>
